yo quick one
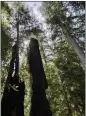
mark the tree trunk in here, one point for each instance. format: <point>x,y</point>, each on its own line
<point>12,100</point>
<point>12,103</point>
<point>74,44</point>
<point>39,102</point>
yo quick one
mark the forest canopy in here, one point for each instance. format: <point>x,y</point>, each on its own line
<point>59,27</point>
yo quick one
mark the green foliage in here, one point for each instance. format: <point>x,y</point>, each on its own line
<point>72,75</point>
<point>6,44</point>
<point>55,92</point>
<point>26,77</point>
<point>5,7</point>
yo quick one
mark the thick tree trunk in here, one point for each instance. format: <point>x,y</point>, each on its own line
<point>74,44</point>
<point>36,66</point>
<point>12,100</point>
<point>39,102</point>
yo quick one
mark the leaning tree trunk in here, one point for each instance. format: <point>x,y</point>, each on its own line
<point>39,102</point>
<point>74,44</point>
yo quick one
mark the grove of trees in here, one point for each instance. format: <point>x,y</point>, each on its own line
<point>62,52</point>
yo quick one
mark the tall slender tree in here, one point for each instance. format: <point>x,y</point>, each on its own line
<point>62,20</point>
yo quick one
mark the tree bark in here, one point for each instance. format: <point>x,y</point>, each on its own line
<point>74,44</point>
<point>39,102</point>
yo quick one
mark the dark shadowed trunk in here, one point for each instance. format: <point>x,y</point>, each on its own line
<point>12,103</point>
<point>39,102</point>
<point>13,98</point>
